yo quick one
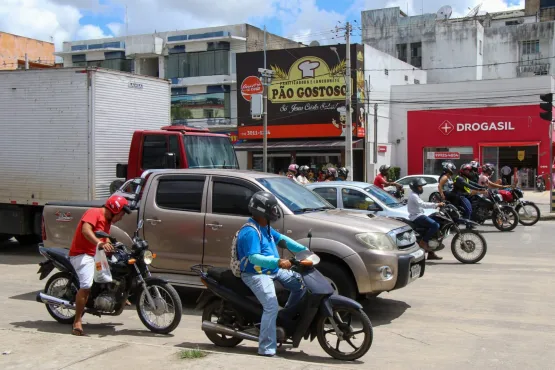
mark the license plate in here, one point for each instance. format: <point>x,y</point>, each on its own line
<point>415,272</point>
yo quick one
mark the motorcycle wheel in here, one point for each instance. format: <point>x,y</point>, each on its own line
<point>466,243</point>
<point>211,312</point>
<point>345,318</point>
<point>167,301</point>
<point>435,197</point>
<point>56,286</point>
<point>528,219</point>
<point>512,219</point>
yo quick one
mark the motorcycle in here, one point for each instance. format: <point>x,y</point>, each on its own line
<point>156,298</point>
<point>397,193</point>
<point>504,217</point>
<point>540,182</point>
<point>231,312</point>
<point>528,212</point>
<point>467,246</point>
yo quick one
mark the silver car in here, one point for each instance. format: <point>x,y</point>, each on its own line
<point>361,196</point>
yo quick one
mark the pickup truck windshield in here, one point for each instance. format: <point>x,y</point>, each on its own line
<point>384,197</point>
<point>209,152</point>
<point>295,196</point>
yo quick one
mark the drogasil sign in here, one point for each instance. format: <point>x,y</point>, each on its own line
<point>447,127</point>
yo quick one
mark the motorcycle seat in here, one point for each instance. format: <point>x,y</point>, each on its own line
<point>225,277</point>
<point>61,255</point>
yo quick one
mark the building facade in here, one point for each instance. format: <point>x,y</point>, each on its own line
<point>199,62</point>
<point>488,46</point>
<point>495,121</point>
<point>16,50</point>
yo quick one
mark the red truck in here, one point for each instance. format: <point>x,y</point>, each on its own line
<point>175,147</point>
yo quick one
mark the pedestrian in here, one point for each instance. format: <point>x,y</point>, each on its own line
<point>506,174</point>
<point>84,245</point>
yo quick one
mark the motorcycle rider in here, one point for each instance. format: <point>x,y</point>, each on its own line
<point>381,180</point>
<point>445,185</point>
<point>464,189</point>
<point>416,207</point>
<point>263,265</point>
<point>292,171</point>
<point>85,244</point>
<point>342,174</point>
<point>475,173</point>
<point>331,174</point>
<point>302,178</point>
<point>487,171</point>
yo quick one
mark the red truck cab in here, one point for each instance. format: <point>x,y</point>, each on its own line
<point>176,147</point>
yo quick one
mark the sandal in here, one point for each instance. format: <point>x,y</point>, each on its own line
<point>78,332</point>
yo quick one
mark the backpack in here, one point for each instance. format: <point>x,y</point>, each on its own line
<point>235,263</point>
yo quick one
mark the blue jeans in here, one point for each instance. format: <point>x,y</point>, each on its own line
<point>263,288</point>
<point>467,206</point>
<point>429,224</point>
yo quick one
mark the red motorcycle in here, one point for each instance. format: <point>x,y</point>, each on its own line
<point>528,212</point>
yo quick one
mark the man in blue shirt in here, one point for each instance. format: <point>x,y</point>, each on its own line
<point>342,174</point>
<point>257,242</point>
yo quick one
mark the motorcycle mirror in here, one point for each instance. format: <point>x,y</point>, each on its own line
<point>101,234</point>
<point>309,239</point>
<point>310,233</point>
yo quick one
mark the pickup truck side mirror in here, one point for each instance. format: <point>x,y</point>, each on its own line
<point>170,160</point>
<point>101,234</point>
<point>374,208</point>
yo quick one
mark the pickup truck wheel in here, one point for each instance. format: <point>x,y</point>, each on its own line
<point>5,237</point>
<point>339,278</point>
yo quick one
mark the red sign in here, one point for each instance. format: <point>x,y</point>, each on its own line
<point>251,85</point>
<point>291,131</point>
<point>444,155</point>
<point>360,131</point>
<point>474,128</point>
<point>382,148</point>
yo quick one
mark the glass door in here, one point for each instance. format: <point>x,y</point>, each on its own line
<point>490,155</point>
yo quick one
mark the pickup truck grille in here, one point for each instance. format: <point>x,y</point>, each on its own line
<point>405,238</point>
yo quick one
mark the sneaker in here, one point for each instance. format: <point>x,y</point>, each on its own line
<point>432,256</point>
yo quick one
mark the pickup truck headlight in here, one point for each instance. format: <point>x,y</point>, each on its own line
<point>377,241</point>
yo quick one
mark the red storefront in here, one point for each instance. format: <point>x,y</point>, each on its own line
<point>513,136</point>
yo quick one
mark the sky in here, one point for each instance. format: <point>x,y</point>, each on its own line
<point>303,20</point>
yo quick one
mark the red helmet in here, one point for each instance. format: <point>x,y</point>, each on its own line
<point>116,204</point>
<point>466,169</point>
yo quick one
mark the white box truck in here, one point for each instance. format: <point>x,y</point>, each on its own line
<point>62,132</point>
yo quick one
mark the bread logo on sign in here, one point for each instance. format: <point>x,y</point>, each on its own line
<point>307,68</point>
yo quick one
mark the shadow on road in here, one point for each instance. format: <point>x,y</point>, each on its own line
<point>383,311</point>
<point>13,253</point>
<point>101,330</point>
<point>287,353</point>
<point>31,296</point>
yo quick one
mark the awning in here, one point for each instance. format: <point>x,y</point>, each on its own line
<point>296,145</point>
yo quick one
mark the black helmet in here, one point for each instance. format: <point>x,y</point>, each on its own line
<point>342,171</point>
<point>449,167</point>
<point>475,165</point>
<point>264,204</point>
<point>488,168</point>
<point>384,169</point>
<point>304,169</point>
<point>415,183</point>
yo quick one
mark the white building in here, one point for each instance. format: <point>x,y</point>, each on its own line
<point>494,45</point>
<point>199,62</point>
<point>384,72</point>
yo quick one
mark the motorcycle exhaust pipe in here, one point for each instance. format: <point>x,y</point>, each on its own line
<point>221,329</point>
<point>48,299</point>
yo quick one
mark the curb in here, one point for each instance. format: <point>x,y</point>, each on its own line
<point>547,217</point>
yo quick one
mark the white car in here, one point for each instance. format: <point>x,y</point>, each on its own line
<point>429,189</point>
<point>361,196</point>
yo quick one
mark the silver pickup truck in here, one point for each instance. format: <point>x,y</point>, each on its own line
<point>191,216</point>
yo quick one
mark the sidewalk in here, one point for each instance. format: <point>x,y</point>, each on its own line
<point>542,201</point>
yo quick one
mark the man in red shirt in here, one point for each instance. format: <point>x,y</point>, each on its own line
<point>84,245</point>
<point>381,180</point>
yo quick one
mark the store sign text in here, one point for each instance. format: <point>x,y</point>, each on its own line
<point>443,155</point>
<point>447,127</point>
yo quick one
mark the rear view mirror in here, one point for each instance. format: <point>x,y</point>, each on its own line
<point>170,160</point>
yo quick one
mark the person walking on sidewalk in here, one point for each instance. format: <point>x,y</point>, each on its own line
<point>84,246</point>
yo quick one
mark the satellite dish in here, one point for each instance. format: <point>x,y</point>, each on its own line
<point>444,13</point>
<point>314,43</point>
<point>474,11</point>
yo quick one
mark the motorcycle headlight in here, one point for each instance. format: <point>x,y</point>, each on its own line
<point>376,241</point>
<point>148,257</point>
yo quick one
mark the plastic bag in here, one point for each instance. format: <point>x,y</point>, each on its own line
<point>102,272</point>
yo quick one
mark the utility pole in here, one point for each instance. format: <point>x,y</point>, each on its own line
<point>267,75</point>
<point>366,131</point>
<point>375,133</point>
<point>550,182</point>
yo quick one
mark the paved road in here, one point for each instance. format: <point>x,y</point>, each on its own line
<point>496,314</point>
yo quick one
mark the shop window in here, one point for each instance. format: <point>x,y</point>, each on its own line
<point>328,193</point>
<point>435,157</point>
<point>201,109</point>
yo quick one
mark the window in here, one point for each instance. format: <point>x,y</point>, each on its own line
<point>530,47</point>
<point>416,82</point>
<point>406,78</point>
<point>295,196</point>
<point>196,109</point>
<point>154,150</point>
<point>402,52</point>
<point>174,148</point>
<point>405,181</point>
<point>430,180</point>
<point>205,63</point>
<point>328,193</point>
<point>416,54</point>
<point>480,47</point>
<point>354,199</point>
<point>435,157</point>
<point>209,152</point>
<point>231,198</point>
<point>180,194</point>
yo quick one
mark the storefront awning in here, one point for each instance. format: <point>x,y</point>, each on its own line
<point>296,145</point>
